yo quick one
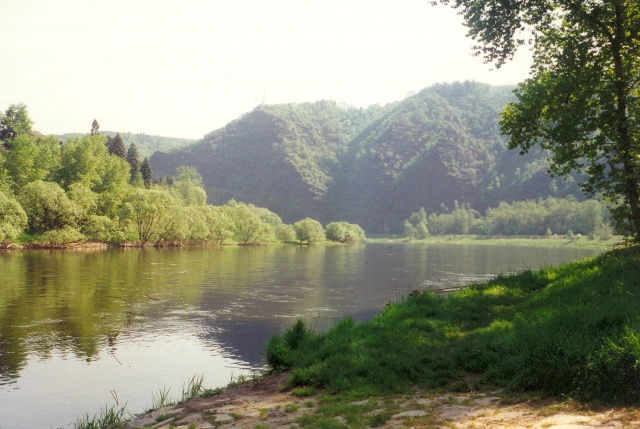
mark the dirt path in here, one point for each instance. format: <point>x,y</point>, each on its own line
<point>264,404</point>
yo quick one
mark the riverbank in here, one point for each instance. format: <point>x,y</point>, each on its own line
<point>540,241</point>
<point>501,240</point>
<point>269,403</point>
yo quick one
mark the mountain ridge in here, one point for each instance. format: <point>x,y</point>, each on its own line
<point>370,166</point>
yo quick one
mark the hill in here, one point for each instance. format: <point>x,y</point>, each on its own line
<point>146,144</point>
<point>369,166</point>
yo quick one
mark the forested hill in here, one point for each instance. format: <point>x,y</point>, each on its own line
<point>145,143</point>
<point>369,166</point>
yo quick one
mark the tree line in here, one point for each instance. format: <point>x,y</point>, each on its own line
<point>93,188</point>
<point>566,216</point>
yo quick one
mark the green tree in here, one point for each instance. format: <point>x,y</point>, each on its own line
<point>134,161</point>
<point>416,225</point>
<point>116,146</point>
<point>248,228</point>
<point>187,187</point>
<point>344,232</point>
<point>147,174</point>
<point>148,209</point>
<point>31,159</point>
<point>95,128</point>
<point>13,122</point>
<point>48,207</point>
<point>581,101</point>
<point>309,230</point>
<point>13,219</point>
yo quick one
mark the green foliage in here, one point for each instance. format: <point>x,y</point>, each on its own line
<point>31,159</point>
<point>344,232</point>
<point>248,227</point>
<point>570,330</point>
<point>48,207</point>
<point>285,233</point>
<point>309,230</point>
<point>580,101</point>
<point>116,146</point>
<point>416,225</point>
<point>14,122</point>
<point>133,158</point>
<point>13,219</point>
<point>146,172</point>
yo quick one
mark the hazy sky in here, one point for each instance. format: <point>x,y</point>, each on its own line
<point>184,68</point>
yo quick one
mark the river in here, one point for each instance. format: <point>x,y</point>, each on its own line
<point>81,330</point>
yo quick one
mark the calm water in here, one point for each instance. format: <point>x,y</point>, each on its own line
<point>79,330</point>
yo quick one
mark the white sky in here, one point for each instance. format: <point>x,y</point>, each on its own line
<point>183,68</point>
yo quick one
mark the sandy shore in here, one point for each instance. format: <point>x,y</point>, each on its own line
<point>266,404</point>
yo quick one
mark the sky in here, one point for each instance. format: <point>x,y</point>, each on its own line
<point>185,68</point>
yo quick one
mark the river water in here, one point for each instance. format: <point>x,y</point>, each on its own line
<point>81,330</point>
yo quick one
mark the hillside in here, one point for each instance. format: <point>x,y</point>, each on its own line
<point>146,144</point>
<point>369,166</point>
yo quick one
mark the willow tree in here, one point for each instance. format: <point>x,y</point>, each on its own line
<point>581,100</point>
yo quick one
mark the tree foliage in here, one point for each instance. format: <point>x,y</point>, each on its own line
<point>581,101</point>
<point>344,232</point>
<point>309,230</point>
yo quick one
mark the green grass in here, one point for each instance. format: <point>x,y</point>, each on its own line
<point>572,330</point>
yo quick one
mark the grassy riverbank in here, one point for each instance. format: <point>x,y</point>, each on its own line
<point>570,330</point>
<point>501,240</point>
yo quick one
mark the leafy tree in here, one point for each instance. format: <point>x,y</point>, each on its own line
<point>31,159</point>
<point>344,232</point>
<point>581,101</point>
<point>147,209</point>
<point>13,219</point>
<point>285,233</point>
<point>95,128</point>
<point>147,174</point>
<point>416,225</point>
<point>48,207</point>
<point>187,187</point>
<point>134,161</point>
<point>13,122</point>
<point>248,228</point>
<point>309,230</point>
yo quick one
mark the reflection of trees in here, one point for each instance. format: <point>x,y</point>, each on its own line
<point>74,302</point>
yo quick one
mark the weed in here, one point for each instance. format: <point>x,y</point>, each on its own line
<point>291,408</point>
<point>193,388</point>
<point>309,404</point>
<point>109,418</point>
<point>301,392</point>
<point>236,416</point>
<point>163,417</point>
<point>161,400</point>
<point>379,419</point>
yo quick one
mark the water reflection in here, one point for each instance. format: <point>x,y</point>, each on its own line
<point>75,326</point>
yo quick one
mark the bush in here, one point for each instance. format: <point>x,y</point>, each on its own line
<point>344,232</point>
<point>62,236</point>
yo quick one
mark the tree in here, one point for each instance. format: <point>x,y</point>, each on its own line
<point>134,161</point>
<point>147,174</point>
<point>116,146</point>
<point>13,219</point>
<point>581,101</point>
<point>13,122</point>
<point>48,207</point>
<point>309,230</point>
<point>416,225</point>
<point>95,128</point>
<point>344,232</point>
